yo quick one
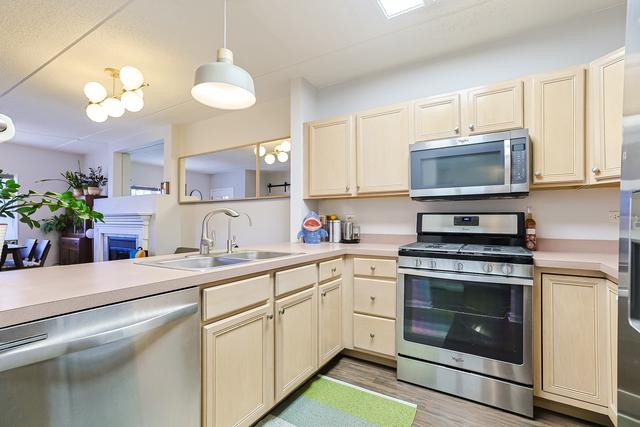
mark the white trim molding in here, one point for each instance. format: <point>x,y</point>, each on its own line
<point>120,225</point>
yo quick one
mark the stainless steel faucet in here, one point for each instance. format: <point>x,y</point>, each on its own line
<point>208,243</point>
<point>231,239</point>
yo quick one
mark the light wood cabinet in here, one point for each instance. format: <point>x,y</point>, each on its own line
<point>612,349</point>
<point>574,338</point>
<point>330,156</point>
<point>436,117</point>
<point>556,131</point>
<point>238,368</point>
<point>382,150</point>
<point>374,334</point>
<point>374,297</point>
<point>494,108</point>
<point>606,89</point>
<point>296,348</point>
<point>329,321</point>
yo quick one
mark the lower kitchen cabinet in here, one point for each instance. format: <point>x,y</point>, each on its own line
<point>374,334</point>
<point>329,321</point>
<point>238,368</point>
<point>576,342</point>
<point>296,348</point>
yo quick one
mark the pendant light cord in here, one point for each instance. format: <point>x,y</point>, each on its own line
<point>224,26</point>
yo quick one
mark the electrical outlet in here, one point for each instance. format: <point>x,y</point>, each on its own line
<point>614,217</point>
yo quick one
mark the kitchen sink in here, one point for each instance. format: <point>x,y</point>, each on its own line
<point>207,262</point>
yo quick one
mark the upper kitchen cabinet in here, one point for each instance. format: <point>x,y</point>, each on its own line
<point>606,87</point>
<point>382,150</point>
<point>330,156</point>
<point>556,108</point>
<point>494,108</point>
<point>436,117</point>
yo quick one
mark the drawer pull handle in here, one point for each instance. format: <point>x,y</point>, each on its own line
<point>372,298</point>
<point>324,294</point>
<point>333,270</point>
<point>281,311</point>
<point>372,335</point>
<point>270,316</point>
<point>373,268</point>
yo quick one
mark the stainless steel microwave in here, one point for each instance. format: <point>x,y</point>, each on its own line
<point>492,165</point>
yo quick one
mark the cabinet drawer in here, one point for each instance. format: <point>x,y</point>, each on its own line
<point>296,278</point>
<point>329,270</point>
<point>374,334</point>
<point>374,267</point>
<point>231,297</point>
<point>376,297</point>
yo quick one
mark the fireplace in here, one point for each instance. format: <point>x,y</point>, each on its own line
<point>121,247</point>
<point>120,235</point>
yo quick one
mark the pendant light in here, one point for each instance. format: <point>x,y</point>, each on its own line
<point>222,84</point>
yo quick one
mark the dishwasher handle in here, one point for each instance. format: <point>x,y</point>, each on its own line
<point>51,348</point>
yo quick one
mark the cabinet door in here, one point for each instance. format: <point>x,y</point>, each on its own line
<point>329,321</point>
<point>612,349</point>
<point>238,368</point>
<point>436,117</point>
<point>606,88</point>
<point>574,334</point>
<point>296,340</point>
<point>494,108</point>
<point>330,156</point>
<point>557,128</point>
<point>383,150</point>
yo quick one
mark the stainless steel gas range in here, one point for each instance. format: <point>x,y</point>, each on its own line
<point>464,309</point>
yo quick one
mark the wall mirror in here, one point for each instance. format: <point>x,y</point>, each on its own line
<point>250,172</point>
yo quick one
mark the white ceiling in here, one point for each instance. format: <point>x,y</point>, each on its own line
<point>51,49</point>
<point>150,155</point>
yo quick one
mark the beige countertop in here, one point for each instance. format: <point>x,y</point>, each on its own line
<point>27,295</point>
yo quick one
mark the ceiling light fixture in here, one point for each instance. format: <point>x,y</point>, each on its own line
<point>7,128</point>
<point>393,8</point>
<point>102,106</point>
<point>222,84</point>
<point>280,152</point>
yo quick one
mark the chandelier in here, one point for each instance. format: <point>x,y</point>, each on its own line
<point>280,152</point>
<point>102,106</point>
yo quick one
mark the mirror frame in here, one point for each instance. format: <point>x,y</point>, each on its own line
<point>182,175</point>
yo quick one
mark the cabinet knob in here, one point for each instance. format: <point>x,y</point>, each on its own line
<point>281,311</point>
<point>333,270</point>
<point>538,173</point>
<point>471,126</point>
<point>595,170</point>
<point>372,298</point>
<point>456,130</point>
<point>372,335</point>
<point>373,269</point>
<point>323,294</point>
<point>270,316</point>
<point>346,189</point>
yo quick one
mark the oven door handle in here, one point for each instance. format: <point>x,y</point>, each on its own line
<point>467,277</point>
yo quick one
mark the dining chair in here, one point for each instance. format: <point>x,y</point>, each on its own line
<point>3,252</point>
<point>40,254</point>
<point>26,255</point>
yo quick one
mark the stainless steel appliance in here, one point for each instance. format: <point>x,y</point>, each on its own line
<point>130,364</point>
<point>464,309</point>
<point>335,230</point>
<point>493,165</point>
<point>350,231</point>
<point>629,277</point>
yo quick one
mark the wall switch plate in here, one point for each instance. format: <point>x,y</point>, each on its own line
<point>614,217</point>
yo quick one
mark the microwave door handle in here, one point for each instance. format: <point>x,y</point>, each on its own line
<point>45,349</point>
<point>507,162</point>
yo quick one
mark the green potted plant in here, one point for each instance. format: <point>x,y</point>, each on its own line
<point>95,181</point>
<point>75,180</point>
<point>14,203</point>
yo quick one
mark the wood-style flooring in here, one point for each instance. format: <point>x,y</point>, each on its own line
<point>434,408</point>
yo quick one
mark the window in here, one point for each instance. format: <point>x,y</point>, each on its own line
<point>137,190</point>
<point>12,231</point>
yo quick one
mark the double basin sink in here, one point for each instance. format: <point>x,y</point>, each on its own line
<point>207,262</point>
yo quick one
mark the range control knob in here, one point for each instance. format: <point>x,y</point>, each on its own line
<point>507,269</point>
<point>418,262</point>
<point>433,264</point>
<point>487,267</point>
<point>459,266</point>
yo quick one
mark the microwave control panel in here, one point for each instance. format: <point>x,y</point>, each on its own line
<point>519,161</point>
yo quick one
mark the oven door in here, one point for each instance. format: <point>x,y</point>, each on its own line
<point>459,168</point>
<point>473,322</point>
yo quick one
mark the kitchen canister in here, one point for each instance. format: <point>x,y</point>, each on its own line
<point>335,230</point>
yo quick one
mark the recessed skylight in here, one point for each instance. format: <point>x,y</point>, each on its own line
<point>393,8</point>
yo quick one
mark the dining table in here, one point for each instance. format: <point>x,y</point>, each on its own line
<point>14,251</point>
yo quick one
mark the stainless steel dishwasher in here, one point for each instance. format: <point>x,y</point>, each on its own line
<point>135,363</point>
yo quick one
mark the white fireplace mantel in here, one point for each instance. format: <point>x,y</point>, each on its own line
<point>120,225</point>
